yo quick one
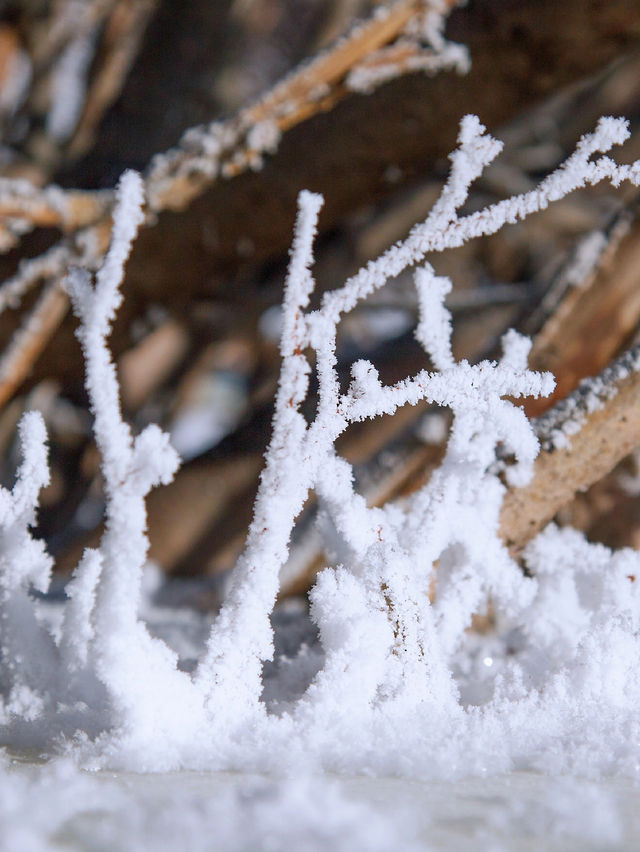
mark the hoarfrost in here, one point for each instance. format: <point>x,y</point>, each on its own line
<point>423,47</point>
<point>404,687</point>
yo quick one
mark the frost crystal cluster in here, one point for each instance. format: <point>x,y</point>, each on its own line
<point>404,686</point>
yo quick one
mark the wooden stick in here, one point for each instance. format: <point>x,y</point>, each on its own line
<point>595,318</point>
<point>27,344</point>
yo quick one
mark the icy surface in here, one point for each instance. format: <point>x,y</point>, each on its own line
<point>56,806</point>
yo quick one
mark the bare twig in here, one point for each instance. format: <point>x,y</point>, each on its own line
<point>53,263</point>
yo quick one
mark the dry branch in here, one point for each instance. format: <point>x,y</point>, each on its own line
<point>229,148</point>
<point>52,207</point>
<point>597,315</point>
<point>121,41</point>
<point>601,420</point>
<point>28,343</point>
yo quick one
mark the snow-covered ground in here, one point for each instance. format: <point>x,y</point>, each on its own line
<point>57,806</point>
<point>49,803</point>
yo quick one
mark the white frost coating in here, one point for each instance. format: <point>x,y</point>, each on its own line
<point>585,259</point>
<point>404,688</point>
<point>264,136</point>
<point>567,418</point>
<point>27,650</point>
<point>425,29</point>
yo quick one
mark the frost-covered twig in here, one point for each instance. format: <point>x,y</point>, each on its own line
<point>228,148</point>
<point>302,456</point>
<point>51,207</point>
<point>92,678</point>
<point>27,651</point>
<point>394,608</point>
<point>443,229</point>
<point>421,47</point>
<point>51,264</point>
<point>130,467</point>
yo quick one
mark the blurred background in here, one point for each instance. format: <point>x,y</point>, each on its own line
<point>89,88</point>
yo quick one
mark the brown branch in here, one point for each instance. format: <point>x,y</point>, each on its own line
<point>43,320</point>
<point>121,41</point>
<point>606,416</point>
<point>27,344</point>
<point>597,315</point>
<point>180,175</point>
<point>52,207</point>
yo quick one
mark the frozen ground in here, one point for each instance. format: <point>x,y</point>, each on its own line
<point>56,806</point>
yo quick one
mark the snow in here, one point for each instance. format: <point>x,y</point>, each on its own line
<point>58,806</point>
<point>386,679</point>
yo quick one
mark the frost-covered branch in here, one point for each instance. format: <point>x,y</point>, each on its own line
<point>394,607</point>
<point>421,47</point>
<point>302,456</point>
<point>443,229</point>
<point>26,648</point>
<point>131,467</point>
<point>228,148</point>
<point>52,206</point>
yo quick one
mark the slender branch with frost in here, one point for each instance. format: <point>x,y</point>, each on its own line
<point>27,649</point>
<point>389,649</point>
<point>227,148</point>
<point>51,207</point>
<point>421,47</point>
<point>106,587</point>
<point>302,456</point>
